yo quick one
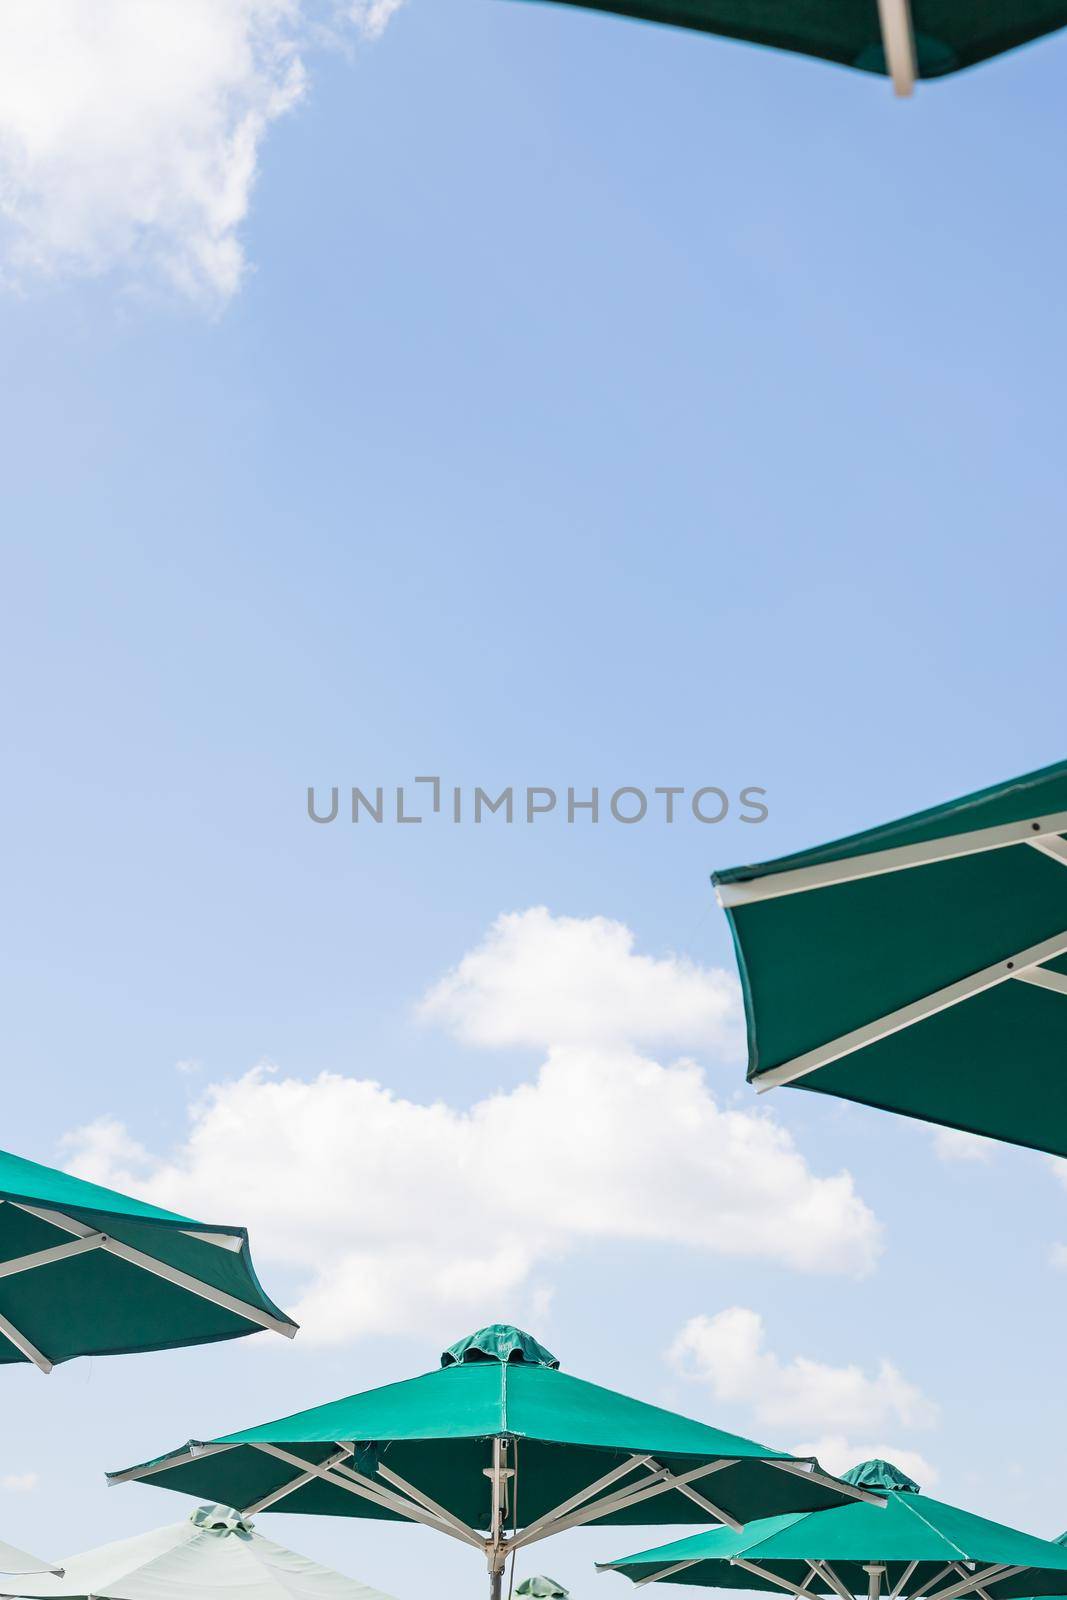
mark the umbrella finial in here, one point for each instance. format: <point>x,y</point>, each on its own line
<point>498,1342</point>
<point>879,1474</point>
<point>219,1519</point>
<point>542,1588</point>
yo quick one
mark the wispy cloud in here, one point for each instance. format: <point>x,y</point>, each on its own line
<point>131,130</point>
<point>728,1352</point>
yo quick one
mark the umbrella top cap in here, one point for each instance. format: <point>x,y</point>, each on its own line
<point>498,1342</point>
<point>219,1519</point>
<point>880,1474</point>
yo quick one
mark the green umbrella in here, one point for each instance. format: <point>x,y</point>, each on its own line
<point>920,967</point>
<point>913,1547</point>
<point>215,1554</point>
<point>542,1588</point>
<point>498,1449</point>
<point>923,39</point>
<point>86,1271</point>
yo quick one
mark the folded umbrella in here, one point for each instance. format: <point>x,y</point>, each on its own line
<point>87,1271</point>
<point>499,1449</point>
<point>920,967</point>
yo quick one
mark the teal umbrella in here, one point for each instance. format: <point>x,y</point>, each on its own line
<point>87,1271</point>
<point>920,967</point>
<point>906,41</point>
<point>914,1547</point>
<point>499,1449</point>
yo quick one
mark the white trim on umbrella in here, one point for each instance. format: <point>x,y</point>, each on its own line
<point>917,1011</point>
<point>874,863</point>
<point>87,1238</point>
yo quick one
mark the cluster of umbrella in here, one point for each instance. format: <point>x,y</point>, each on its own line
<point>920,967</point>
<point>904,39</point>
<point>499,1449</point>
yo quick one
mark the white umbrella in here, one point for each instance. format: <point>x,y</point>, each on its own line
<point>213,1555</point>
<point>13,1560</point>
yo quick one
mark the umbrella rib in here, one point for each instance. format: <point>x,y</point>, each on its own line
<point>812,1474</point>
<point>45,1258</point>
<point>827,1573</point>
<point>181,1458</point>
<point>771,1577</point>
<point>24,1345</point>
<point>898,41</point>
<point>665,1572</point>
<point>916,1011</point>
<point>630,1465</point>
<point>873,863</point>
<point>916,1594</point>
<point>355,1483</point>
<point>898,1587</point>
<point>663,1481</point>
<point>429,1504</point>
<point>297,1483</point>
<point>160,1269</point>
<point>968,1585</point>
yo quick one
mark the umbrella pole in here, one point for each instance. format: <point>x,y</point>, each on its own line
<point>874,1579</point>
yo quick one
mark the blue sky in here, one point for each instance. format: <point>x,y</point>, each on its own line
<point>599,405</point>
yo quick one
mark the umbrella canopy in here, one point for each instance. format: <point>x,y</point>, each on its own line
<point>913,1547</point>
<point>542,1588</point>
<point>212,1555</point>
<point>86,1271</point>
<point>497,1439</point>
<point>926,39</point>
<point>920,967</point>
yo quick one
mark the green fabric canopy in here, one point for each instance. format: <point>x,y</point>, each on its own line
<point>87,1271</point>
<point>914,1544</point>
<point>497,1439</point>
<point>920,967</point>
<point>948,34</point>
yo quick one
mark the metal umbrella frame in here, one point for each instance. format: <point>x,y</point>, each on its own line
<point>498,1449</point>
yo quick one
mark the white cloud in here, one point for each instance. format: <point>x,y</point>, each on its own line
<point>728,1352</point>
<point>20,1482</point>
<point>547,981</point>
<point>413,1211</point>
<point>954,1145</point>
<point>130,130</point>
<point>837,1453</point>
